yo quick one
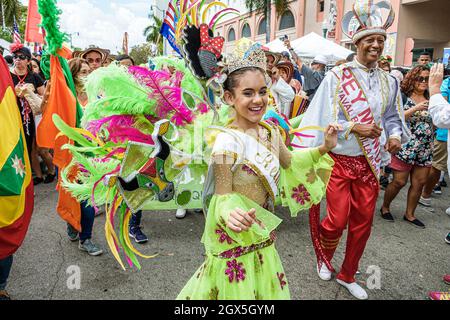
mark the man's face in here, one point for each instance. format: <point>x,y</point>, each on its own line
<point>94,59</point>
<point>424,59</point>
<point>126,63</point>
<point>370,48</point>
<point>317,67</point>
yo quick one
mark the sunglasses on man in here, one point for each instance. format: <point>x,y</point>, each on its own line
<point>98,60</point>
<point>20,57</point>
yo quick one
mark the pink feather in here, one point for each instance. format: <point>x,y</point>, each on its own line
<point>112,121</point>
<point>124,134</point>
<point>167,96</point>
<point>203,108</point>
<point>112,153</point>
<point>176,82</point>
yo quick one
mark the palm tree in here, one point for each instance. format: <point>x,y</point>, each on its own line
<point>9,9</point>
<point>265,7</point>
<point>152,32</point>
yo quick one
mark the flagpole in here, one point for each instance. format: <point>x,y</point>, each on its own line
<point>3,15</point>
<point>164,41</point>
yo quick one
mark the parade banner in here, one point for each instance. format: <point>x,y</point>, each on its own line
<point>33,32</point>
<point>16,187</point>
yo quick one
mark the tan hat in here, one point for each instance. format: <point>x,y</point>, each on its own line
<point>82,54</point>
<point>288,67</point>
<point>276,56</point>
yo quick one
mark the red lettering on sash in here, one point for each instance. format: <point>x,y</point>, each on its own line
<point>349,84</point>
<point>347,74</point>
<point>366,116</point>
<point>360,97</point>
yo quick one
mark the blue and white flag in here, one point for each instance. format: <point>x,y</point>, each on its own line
<point>169,25</point>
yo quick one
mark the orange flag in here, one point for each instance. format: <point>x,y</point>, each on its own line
<point>62,102</point>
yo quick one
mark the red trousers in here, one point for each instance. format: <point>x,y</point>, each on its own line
<point>351,198</point>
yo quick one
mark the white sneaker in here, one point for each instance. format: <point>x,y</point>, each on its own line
<point>324,273</point>
<point>181,213</point>
<point>448,211</point>
<point>355,289</point>
<point>426,202</point>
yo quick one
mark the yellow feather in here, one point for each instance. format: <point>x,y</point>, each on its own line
<point>110,233</point>
<point>215,3</point>
<point>127,237</point>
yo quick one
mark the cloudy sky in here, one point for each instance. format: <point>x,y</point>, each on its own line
<point>103,22</point>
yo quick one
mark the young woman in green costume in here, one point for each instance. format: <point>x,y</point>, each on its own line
<point>244,181</point>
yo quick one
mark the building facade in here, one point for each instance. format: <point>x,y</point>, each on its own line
<point>419,25</point>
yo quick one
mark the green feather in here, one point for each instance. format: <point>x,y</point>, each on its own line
<point>189,82</point>
<point>50,22</point>
<point>113,91</point>
<point>82,188</point>
<point>70,132</point>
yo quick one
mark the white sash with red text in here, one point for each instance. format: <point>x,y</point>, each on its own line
<point>355,106</point>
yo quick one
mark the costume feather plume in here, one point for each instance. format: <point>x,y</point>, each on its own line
<point>189,82</point>
<point>121,128</point>
<point>113,91</point>
<point>50,22</point>
<point>168,96</point>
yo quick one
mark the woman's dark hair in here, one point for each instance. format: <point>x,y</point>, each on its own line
<point>9,59</point>
<point>40,73</point>
<point>124,57</point>
<point>232,79</point>
<point>407,85</point>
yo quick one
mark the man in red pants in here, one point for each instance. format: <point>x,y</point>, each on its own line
<point>366,102</point>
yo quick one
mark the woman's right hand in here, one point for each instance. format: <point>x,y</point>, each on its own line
<point>240,220</point>
<point>423,106</point>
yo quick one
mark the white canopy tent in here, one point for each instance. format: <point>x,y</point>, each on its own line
<point>312,45</point>
<point>276,46</point>
<point>5,44</point>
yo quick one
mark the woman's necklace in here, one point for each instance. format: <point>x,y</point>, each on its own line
<point>21,79</point>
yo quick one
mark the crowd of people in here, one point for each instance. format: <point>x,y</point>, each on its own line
<point>422,161</point>
<point>394,130</point>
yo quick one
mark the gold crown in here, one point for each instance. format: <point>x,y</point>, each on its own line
<point>247,55</point>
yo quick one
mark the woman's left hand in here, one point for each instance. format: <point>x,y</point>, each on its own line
<point>331,136</point>
<point>393,146</point>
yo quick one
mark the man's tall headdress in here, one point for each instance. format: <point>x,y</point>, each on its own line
<point>366,19</point>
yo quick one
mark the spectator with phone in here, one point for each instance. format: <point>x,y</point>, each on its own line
<point>286,57</point>
<point>440,158</point>
<point>440,112</point>
<point>314,75</point>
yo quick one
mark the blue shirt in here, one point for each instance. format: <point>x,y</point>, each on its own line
<point>442,134</point>
<point>445,88</point>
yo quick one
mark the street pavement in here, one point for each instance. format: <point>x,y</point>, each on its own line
<point>400,261</point>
